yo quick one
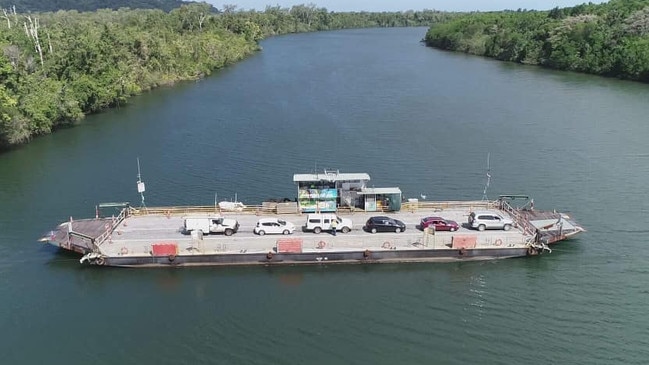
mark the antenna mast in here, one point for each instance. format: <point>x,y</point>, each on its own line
<point>140,185</point>
<point>486,186</point>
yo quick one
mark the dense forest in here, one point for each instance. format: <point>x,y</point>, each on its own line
<point>609,39</point>
<point>33,6</point>
<point>57,67</point>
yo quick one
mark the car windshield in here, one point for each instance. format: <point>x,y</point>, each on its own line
<point>281,222</point>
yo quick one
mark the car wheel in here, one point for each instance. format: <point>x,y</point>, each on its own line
<point>453,229</point>
<point>373,230</point>
<point>317,230</point>
<point>481,227</point>
<point>507,227</point>
<point>228,232</point>
<point>345,230</point>
<point>261,233</point>
<point>397,230</point>
<point>286,232</point>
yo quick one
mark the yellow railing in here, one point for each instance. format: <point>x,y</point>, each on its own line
<point>183,210</point>
<point>257,209</point>
<point>430,205</point>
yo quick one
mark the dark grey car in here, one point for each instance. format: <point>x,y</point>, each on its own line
<point>384,224</point>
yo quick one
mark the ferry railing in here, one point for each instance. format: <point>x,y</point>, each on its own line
<point>518,218</point>
<point>271,209</point>
<point>184,210</point>
<point>114,223</point>
<point>443,205</point>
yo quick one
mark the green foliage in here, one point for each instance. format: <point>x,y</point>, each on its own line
<point>93,61</point>
<point>24,6</point>
<point>609,39</point>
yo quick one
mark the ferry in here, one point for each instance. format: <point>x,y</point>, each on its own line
<point>121,235</point>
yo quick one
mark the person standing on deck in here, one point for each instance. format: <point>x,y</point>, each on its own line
<point>334,225</point>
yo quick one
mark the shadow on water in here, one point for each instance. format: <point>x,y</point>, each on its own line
<point>171,278</point>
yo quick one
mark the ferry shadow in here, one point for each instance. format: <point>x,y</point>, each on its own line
<point>60,258</point>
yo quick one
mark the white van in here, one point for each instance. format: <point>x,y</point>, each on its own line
<point>209,225</point>
<point>318,222</point>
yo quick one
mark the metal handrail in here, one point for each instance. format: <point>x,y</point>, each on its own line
<point>104,236</point>
<point>255,209</point>
<point>519,219</point>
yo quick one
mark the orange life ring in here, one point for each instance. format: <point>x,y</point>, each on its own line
<point>269,256</point>
<point>124,251</point>
<point>387,245</point>
<point>321,245</point>
<point>498,242</point>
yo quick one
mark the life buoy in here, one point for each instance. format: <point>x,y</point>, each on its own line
<point>367,254</point>
<point>100,261</point>
<point>171,258</point>
<point>531,251</point>
<point>321,245</point>
<point>123,251</point>
<point>462,251</point>
<point>498,242</point>
<point>387,245</point>
<point>269,256</point>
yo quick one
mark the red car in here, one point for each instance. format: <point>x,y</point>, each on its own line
<point>439,223</point>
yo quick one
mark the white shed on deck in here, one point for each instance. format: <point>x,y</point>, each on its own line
<point>381,199</point>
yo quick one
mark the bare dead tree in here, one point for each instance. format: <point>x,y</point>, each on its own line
<point>49,43</point>
<point>6,16</point>
<point>32,32</point>
<point>201,20</point>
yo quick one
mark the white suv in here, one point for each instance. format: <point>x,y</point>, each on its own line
<point>322,222</point>
<point>489,220</point>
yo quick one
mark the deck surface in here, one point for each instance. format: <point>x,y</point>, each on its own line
<point>136,234</point>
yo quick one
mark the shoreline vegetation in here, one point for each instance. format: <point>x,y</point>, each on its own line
<point>57,67</point>
<point>609,39</point>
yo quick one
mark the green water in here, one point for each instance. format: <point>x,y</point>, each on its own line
<point>373,101</point>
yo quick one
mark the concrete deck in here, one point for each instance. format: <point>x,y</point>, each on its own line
<point>136,234</point>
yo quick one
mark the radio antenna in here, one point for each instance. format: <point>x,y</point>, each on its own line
<point>486,186</point>
<point>140,185</point>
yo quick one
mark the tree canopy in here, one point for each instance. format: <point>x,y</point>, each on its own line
<point>24,6</point>
<point>56,67</point>
<point>609,39</point>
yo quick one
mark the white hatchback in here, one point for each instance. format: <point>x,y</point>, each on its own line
<point>273,226</point>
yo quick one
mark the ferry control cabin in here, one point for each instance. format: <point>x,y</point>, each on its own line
<point>325,192</point>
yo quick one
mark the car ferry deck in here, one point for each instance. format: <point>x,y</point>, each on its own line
<point>155,237</point>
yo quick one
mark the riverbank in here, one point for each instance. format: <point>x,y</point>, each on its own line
<point>71,64</point>
<point>609,39</point>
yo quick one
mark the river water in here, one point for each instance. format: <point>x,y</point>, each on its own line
<point>371,100</point>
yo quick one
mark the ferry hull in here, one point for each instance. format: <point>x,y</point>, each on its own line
<point>155,238</point>
<point>318,258</point>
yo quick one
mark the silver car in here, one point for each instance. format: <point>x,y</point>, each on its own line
<point>489,220</point>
